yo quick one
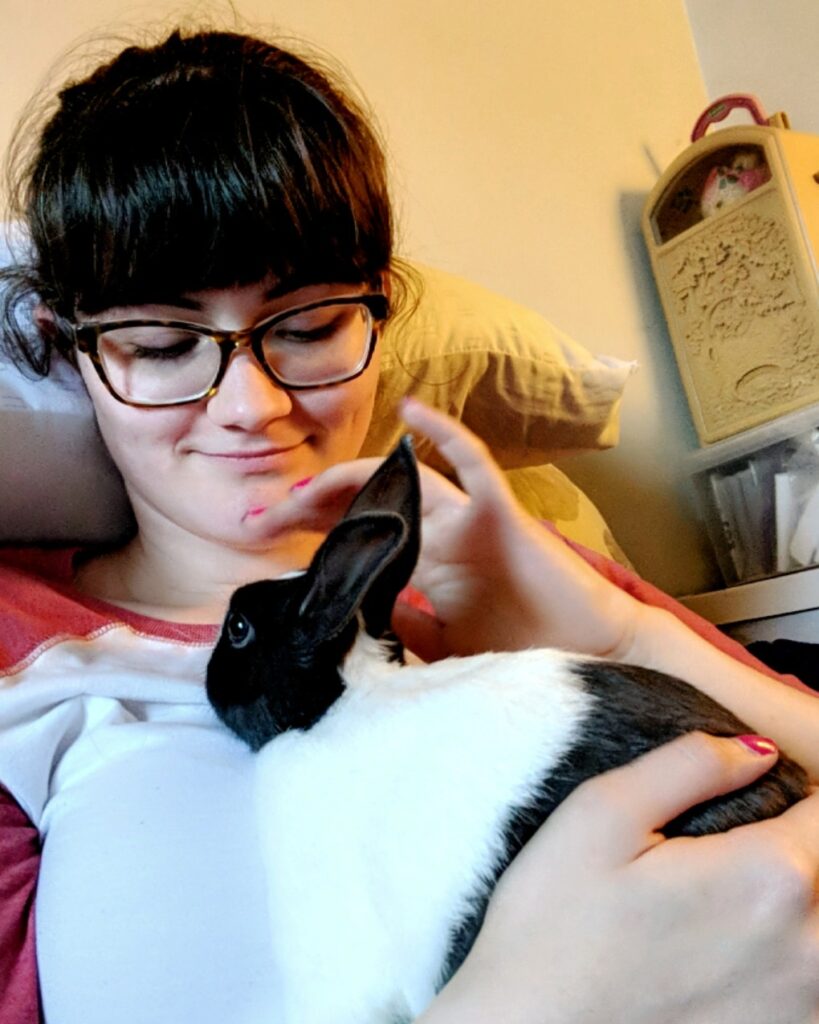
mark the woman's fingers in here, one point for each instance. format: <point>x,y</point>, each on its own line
<point>320,503</point>
<point>478,473</point>
<point>629,806</point>
<point>420,632</point>
<point>799,825</point>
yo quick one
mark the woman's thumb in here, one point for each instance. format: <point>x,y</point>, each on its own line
<point>630,805</point>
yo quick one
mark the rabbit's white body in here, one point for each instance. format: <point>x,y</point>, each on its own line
<point>372,850</point>
<point>387,795</point>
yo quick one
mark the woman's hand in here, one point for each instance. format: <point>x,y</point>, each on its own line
<point>494,576</point>
<point>601,919</point>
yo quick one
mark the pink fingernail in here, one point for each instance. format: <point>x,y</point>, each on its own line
<point>301,483</point>
<point>256,511</point>
<point>759,744</point>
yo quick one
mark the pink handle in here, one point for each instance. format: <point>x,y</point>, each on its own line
<point>722,107</point>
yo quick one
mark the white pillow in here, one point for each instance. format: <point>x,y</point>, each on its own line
<point>56,479</point>
<point>57,482</point>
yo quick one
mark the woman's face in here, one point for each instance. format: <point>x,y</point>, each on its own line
<point>210,466</point>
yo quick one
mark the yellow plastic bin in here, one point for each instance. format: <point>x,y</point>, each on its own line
<point>732,230</point>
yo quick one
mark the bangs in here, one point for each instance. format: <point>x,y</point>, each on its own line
<point>223,181</point>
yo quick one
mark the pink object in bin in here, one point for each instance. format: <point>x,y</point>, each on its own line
<point>727,184</point>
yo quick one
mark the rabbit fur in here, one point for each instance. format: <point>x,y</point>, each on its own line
<point>392,795</point>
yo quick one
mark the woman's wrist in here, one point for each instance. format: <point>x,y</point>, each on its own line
<point>663,642</point>
<point>452,1007</point>
<point>652,638</point>
<point>470,997</point>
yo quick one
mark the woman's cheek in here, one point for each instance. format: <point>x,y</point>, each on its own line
<point>342,415</point>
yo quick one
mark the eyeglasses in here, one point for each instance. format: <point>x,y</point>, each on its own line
<point>170,362</point>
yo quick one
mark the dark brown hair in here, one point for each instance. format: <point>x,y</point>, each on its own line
<point>208,160</point>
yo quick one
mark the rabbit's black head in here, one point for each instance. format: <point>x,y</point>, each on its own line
<point>276,663</point>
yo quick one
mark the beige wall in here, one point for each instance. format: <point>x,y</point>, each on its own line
<point>764,48</point>
<point>524,136</point>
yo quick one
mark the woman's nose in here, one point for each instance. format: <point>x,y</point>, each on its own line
<point>247,397</point>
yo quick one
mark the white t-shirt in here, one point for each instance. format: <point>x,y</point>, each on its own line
<point>145,805</point>
<point>318,882</point>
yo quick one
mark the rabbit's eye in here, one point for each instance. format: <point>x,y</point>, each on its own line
<point>239,631</point>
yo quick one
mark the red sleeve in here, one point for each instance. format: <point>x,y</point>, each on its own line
<point>19,864</point>
<point>648,594</point>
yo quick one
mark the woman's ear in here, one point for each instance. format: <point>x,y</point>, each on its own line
<point>386,284</point>
<point>48,326</point>
<point>44,319</point>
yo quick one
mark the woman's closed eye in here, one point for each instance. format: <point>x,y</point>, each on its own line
<point>167,348</point>
<point>151,342</point>
<point>309,329</point>
<point>291,337</point>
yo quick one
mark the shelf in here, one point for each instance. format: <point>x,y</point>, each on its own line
<point>779,595</point>
<point>750,441</point>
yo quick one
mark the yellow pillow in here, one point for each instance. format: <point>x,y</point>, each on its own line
<point>514,379</point>
<point>549,494</point>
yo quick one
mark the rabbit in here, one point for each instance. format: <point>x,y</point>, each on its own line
<point>390,796</point>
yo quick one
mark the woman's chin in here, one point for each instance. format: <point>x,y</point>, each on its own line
<point>243,526</point>
<point>286,553</point>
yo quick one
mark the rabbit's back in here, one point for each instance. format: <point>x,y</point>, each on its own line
<point>386,825</point>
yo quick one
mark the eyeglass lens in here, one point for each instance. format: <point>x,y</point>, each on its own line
<point>159,365</point>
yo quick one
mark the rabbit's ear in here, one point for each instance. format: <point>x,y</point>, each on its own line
<point>393,487</point>
<point>354,559</point>
<point>367,560</point>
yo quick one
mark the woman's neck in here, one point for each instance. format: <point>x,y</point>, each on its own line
<point>189,582</point>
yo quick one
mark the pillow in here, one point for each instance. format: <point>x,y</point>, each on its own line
<point>514,379</point>
<point>549,494</point>
<point>57,482</point>
<point>529,391</point>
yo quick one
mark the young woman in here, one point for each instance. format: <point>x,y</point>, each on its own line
<point>212,245</point>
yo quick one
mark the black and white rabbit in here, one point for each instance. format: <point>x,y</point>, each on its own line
<point>391,796</point>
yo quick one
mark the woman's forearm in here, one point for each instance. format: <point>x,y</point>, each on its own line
<point>789,716</point>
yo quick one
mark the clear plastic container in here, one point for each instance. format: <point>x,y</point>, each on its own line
<point>759,497</point>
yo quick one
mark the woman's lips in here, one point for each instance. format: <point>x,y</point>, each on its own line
<point>256,460</point>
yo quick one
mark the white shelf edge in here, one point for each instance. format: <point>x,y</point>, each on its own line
<point>761,599</point>
<point>748,442</point>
